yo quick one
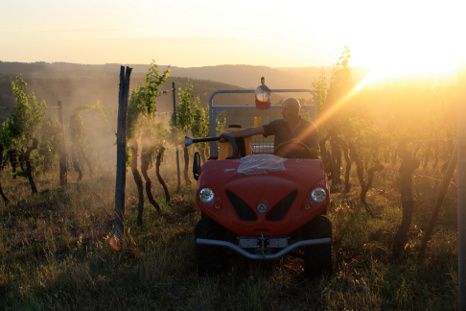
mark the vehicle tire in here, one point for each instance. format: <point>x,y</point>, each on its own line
<point>318,258</point>
<point>210,259</point>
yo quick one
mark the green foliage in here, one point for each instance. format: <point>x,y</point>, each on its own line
<point>200,126</point>
<point>143,98</point>
<point>192,117</point>
<point>186,108</point>
<point>320,87</point>
<point>141,116</point>
<point>19,128</point>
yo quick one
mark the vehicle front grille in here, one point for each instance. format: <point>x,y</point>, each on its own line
<point>242,208</point>
<point>281,209</point>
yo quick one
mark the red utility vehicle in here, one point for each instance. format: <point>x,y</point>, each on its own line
<point>257,204</point>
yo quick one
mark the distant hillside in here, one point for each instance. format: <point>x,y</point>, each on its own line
<point>245,76</point>
<point>242,75</point>
<point>249,76</point>
<point>84,89</point>
<point>77,84</point>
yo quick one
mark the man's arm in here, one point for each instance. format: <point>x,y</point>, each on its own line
<point>245,133</point>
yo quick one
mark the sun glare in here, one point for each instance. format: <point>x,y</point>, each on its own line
<point>415,63</point>
<point>416,39</point>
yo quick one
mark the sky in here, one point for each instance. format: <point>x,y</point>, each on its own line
<point>381,34</point>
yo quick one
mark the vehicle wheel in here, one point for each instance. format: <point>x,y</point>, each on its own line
<point>210,259</point>
<point>318,258</point>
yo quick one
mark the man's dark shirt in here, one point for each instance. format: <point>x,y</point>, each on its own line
<point>305,132</point>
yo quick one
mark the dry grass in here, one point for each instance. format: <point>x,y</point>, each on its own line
<point>54,255</point>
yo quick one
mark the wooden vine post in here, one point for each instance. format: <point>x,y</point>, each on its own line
<point>178,178</point>
<point>123,96</point>
<point>62,154</point>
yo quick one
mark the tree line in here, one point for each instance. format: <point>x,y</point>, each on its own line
<point>391,133</point>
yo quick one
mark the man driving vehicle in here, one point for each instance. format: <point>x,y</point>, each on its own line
<point>293,136</point>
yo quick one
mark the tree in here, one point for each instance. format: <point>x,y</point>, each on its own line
<point>409,164</point>
<point>3,162</point>
<point>331,104</point>
<point>18,134</point>
<point>200,128</point>
<point>50,139</point>
<point>347,131</point>
<point>320,87</point>
<point>141,117</point>
<point>186,108</point>
<point>78,136</point>
<point>159,150</point>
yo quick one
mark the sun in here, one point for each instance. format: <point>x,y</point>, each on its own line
<point>418,39</point>
<point>416,61</point>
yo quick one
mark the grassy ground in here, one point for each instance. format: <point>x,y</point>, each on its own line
<point>54,255</point>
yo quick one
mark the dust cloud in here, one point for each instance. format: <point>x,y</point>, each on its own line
<point>98,137</point>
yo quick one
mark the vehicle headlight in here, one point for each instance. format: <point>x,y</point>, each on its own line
<point>318,195</point>
<point>206,195</point>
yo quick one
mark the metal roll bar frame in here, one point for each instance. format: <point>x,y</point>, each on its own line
<point>214,110</point>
